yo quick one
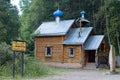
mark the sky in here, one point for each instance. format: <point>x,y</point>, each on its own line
<point>16,3</point>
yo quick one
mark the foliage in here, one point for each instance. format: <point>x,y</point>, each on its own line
<point>9,21</point>
<point>103,53</point>
<point>6,70</point>
<point>5,53</point>
<point>114,22</point>
<point>32,68</point>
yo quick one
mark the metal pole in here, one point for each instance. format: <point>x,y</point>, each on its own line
<point>13,64</point>
<point>80,26</point>
<point>80,29</point>
<point>22,57</point>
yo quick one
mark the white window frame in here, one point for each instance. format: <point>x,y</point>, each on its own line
<point>47,51</point>
<point>70,52</point>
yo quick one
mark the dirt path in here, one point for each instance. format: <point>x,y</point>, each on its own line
<point>82,75</point>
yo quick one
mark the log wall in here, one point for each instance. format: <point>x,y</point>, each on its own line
<point>60,53</point>
<point>77,54</point>
<point>57,48</point>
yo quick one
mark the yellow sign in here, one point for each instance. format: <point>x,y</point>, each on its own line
<point>19,46</point>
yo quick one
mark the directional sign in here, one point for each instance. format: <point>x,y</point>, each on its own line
<point>19,46</point>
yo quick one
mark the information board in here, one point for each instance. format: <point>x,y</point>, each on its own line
<point>19,46</point>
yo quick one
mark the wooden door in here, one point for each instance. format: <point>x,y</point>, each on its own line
<point>91,56</point>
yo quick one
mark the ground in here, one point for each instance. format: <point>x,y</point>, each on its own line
<point>79,74</point>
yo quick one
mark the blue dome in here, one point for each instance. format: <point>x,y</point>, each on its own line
<point>58,13</point>
<point>82,12</point>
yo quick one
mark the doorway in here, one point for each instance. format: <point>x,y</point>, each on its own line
<point>91,56</point>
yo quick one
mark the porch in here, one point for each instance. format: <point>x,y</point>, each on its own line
<point>94,46</point>
<point>95,59</point>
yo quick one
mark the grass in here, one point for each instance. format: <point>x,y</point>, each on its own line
<point>107,70</point>
<point>118,70</point>
<point>32,68</point>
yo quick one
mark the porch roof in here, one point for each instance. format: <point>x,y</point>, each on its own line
<point>93,42</point>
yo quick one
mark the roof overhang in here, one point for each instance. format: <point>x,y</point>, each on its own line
<point>93,42</point>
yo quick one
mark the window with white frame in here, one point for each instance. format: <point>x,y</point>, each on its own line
<point>71,52</point>
<point>48,51</point>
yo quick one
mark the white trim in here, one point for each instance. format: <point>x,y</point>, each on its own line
<point>50,51</point>
<point>70,52</point>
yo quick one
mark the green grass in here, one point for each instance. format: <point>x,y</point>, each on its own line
<point>5,71</point>
<point>107,70</point>
<point>118,69</point>
<point>32,68</point>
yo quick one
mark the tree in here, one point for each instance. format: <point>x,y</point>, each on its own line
<point>37,11</point>
<point>9,21</point>
<point>114,22</point>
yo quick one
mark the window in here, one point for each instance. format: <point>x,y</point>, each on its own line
<point>71,53</point>
<point>48,52</point>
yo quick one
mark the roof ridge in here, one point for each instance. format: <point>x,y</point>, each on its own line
<point>60,21</point>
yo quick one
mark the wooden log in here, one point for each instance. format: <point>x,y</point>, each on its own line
<point>112,59</point>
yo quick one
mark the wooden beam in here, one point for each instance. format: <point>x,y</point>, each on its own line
<point>62,50</point>
<point>96,59</point>
<point>81,56</point>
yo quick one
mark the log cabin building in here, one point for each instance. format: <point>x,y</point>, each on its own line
<point>63,41</point>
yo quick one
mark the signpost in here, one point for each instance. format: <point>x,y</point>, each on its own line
<point>18,46</point>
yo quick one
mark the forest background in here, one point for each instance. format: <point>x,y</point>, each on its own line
<point>104,16</point>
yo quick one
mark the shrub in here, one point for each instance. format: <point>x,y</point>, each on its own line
<point>6,70</point>
<point>32,68</point>
<point>5,53</point>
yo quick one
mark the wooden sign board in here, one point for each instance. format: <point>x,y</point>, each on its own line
<point>19,46</point>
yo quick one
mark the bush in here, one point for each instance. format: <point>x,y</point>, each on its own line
<point>5,53</point>
<point>6,70</point>
<point>32,68</point>
<point>103,53</point>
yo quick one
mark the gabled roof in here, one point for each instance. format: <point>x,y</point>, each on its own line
<point>73,36</point>
<point>53,28</point>
<point>93,42</point>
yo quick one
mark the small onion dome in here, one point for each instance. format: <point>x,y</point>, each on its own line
<point>82,12</point>
<point>58,13</point>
